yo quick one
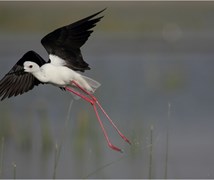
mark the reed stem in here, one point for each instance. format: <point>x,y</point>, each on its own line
<point>14,170</point>
<point>167,142</point>
<point>151,152</point>
<point>58,148</point>
<point>1,156</point>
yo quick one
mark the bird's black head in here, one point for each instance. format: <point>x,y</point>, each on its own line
<point>31,56</point>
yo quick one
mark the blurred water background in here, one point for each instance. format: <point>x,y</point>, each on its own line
<point>155,62</point>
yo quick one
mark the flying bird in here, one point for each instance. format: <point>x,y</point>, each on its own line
<point>65,60</point>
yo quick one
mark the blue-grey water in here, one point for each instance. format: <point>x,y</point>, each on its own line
<point>162,80</point>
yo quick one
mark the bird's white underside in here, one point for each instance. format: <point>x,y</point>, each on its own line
<point>58,74</point>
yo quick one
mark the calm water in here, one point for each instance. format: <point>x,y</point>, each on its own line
<point>141,74</point>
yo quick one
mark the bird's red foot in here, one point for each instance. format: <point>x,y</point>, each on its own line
<point>115,148</point>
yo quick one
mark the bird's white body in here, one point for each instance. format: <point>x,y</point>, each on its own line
<point>57,74</point>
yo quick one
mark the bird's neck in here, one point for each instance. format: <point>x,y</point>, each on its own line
<point>40,75</point>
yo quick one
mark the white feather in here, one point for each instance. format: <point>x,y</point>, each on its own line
<point>92,83</point>
<point>87,83</point>
<point>56,60</point>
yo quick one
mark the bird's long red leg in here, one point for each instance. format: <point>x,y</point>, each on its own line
<point>104,131</point>
<point>80,95</point>
<point>98,117</point>
<point>110,120</point>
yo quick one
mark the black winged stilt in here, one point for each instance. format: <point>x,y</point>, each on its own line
<point>65,59</point>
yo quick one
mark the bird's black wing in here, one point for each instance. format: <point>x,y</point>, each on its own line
<point>65,42</point>
<point>16,81</point>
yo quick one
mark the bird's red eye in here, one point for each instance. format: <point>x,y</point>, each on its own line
<point>30,66</point>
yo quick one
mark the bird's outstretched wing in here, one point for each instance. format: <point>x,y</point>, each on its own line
<point>65,42</point>
<point>16,81</point>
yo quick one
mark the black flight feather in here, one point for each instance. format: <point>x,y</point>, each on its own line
<point>65,42</point>
<point>16,81</point>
